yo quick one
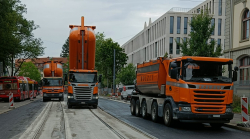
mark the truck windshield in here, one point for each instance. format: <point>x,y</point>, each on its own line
<point>83,77</point>
<point>52,82</point>
<point>205,71</point>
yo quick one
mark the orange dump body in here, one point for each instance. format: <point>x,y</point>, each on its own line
<point>154,78</point>
<point>53,69</point>
<point>75,47</point>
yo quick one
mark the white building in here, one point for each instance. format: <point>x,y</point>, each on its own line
<point>159,37</point>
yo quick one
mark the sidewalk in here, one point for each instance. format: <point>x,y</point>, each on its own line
<point>237,120</point>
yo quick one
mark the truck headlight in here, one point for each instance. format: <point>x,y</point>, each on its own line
<point>60,94</point>
<point>229,110</point>
<point>70,96</point>
<point>187,109</point>
<point>44,94</point>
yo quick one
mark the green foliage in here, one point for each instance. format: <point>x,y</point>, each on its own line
<point>105,57</point>
<point>65,49</point>
<point>166,55</point>
<point>127,75</point>
<point>28,69</point>
<point>17,40</point>
<point>66,66</point>
<point>197,44</point>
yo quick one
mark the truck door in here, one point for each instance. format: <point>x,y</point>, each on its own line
<point>172,85</point>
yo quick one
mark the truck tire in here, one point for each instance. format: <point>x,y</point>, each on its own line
<point>144,109</point>
<point>216,125</point>
<point>168,115</point>
<point>69,106</point>
<point>132,107</point>
<point>44,100</point>
<point>154,112</point>
<point>137,108</point>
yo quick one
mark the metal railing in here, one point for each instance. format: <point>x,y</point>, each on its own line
<point>178,9</point>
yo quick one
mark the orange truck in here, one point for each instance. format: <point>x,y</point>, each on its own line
<point>52,81</point>
<point>186,89</point>
<point>82,76</point>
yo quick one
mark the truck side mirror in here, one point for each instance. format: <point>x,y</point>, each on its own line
<point>234,75</point>
<point>173,65</point>
<point>174,73</point>
<point>65,78</point>
<point>236,68</point>
<point>100,78</point>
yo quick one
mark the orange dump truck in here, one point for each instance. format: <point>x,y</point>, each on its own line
<point>53,81</point>
<point>82,78</point>
<point>187,89</point>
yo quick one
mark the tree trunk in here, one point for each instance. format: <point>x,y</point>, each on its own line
<point>12,64</point>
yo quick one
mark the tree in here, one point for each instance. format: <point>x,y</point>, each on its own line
<point>127,75</point>
<point>17,40</point>
<point>100,38</point>
<point>28,69</point>
<point>197,44</point>
<point>65,49</point>
<point>166,55</point>
<point>105,58</point>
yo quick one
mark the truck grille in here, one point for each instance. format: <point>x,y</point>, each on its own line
<point>83,93</point>
<point>209,102</point>
<point>209,97</point>
<point>208,109</point>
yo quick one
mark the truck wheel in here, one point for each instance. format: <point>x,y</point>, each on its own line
<point>44,100</point>
<point>132,107</point>
<point>154,112</point>
<point>137,108</point>
<point>216,125</point>
<point>144,109</point>
<point>168,115</point>
<point>69,106</point>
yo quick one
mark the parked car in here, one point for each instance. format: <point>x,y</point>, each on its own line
<point>127,91</point>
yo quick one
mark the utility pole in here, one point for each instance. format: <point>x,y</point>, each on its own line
<point>114,73</point>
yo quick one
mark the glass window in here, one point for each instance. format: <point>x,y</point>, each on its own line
<point>83,77</point>
<point>177,46</point>
<point>198,10</point>
<point>184,39</point>
<point>219,27</point>
<point>171,24</point>
<point>191,21</point>
<point>171,45</point>
<point>178,25</point>
<point>155,49</point>
<point>212,24</point>
<point>148,35</point>
<point>245,21</point>
<point>220,7</point>
<point>185,24</point>
<point>219,42</point>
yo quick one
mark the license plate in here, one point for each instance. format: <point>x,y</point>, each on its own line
<point>82,102</point>
<point>217,116</point>
<point>55,99</point>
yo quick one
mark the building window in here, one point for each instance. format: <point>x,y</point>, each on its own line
<point>220,7</point>
<point>212,24</point>
<point>148,35</point>
<point>177,46</point>
<point>198,10</point>
<point>191,22</point>
<point>185,25</point>
<point>219,27</point>
<point>245,21</point>
<point>171,24</point>
<point>245,69</point>
<point>178,25</point>
<point>184,39</point>
<point>219,42</point>
<point>171,45</point>
<point>155,49</point>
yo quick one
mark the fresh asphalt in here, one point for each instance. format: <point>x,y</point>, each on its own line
<point>16,121</point>
<point>179,131</point>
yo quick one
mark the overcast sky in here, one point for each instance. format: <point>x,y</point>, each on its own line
<point>118,19</point>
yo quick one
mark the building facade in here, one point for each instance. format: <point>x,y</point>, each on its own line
<point>160,36</point>
<point>237,44</point>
